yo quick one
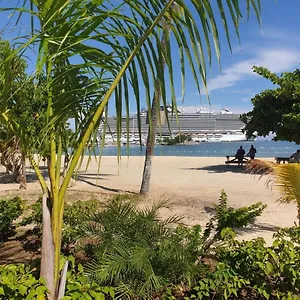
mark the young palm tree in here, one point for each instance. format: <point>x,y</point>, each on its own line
<point>151,138</point>
<point>117,45</point>
<point>286,178</point>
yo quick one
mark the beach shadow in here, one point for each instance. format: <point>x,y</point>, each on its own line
<point>257,228</point>
<point>83,178</point>
<point>91,176</point>
<point>226,169</point>
<point>30,176</point>
<point>220,169</point>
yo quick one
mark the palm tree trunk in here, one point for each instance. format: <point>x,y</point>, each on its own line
<point>150,141</point>
<point>23,181</point>
<point>152,133</point>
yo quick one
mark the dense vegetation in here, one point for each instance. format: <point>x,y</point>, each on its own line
<point>10,210</point>
<point>131,253</point>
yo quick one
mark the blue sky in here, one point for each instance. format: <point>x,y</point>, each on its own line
<point>274,46</point>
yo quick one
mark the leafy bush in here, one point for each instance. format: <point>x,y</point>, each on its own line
<point>229,217</point>
<point>139,253</point>
<point>79,287</point>
<point>250,270</point>
<point>36,214</point>
<point>74,216</point>
<point>10,210</point>
<point>17,282</point>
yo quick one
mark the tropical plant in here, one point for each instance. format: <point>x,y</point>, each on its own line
<point>226,220</point>
<point>117,45</point>
<point>276,110</point>
<point>10,210</point>
<point>229,217</point>
<point>139,253</point>
<point>11,154</point>
<point>251,270</point>
<point>285,177</point>
<point>75,215</point>
<point>155,111</point>
<point>20,282</point>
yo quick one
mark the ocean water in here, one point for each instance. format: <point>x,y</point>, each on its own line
<point>217,149</point>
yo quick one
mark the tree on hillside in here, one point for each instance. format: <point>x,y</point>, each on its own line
<point>117,45</point>
<point>278,110</point>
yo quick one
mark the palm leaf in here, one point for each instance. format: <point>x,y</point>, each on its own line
<point>285,177</point>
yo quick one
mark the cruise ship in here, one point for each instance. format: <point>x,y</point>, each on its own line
<point>203,126</point>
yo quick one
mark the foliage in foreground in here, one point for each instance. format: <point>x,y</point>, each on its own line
<point>20,282</point>
<point>143,257</point>
<point>229,217</point>
<point>285,177</point>
<point>74,217</point>
<point>136,251</point>
<point>116,44</point>
<point>251,270</point>
<point>10,210</point>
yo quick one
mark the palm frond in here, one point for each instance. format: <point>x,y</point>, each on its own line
<point>258,166</point>
<point>285,177</point>
<point>287,180</point>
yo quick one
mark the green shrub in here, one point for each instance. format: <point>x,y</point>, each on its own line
<point>75,215</point>
<point>80,287</point>
<point>139,253</point>
<point>36,214</point>
<point>133,248</point>
<point>229,217</point>
<point>17,282</point>
<point>10,210</point>
<point>251,270</point>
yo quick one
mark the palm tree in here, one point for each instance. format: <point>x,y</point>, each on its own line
<point>151,138</point>
<point>112,43</point>
<point>286,178</point>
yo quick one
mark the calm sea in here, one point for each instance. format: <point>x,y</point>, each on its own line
<point>219,149</point>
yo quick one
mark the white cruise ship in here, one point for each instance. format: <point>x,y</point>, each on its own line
<point>202,125</point>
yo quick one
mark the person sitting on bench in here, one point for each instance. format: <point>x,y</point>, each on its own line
<point>240,155</point>
<point>296,156</point>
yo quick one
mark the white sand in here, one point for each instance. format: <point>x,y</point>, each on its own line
<point>192,185</point>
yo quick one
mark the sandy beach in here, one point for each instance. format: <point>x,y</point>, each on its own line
<point>191,185</point>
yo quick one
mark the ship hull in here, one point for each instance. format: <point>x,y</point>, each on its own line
<point>202,127</point>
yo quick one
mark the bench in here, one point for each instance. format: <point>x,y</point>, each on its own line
<point>234,160</point>
<point>282,159</point>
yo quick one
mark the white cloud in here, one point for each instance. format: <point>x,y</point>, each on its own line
<point>277,60</point>
<point>279,35</point>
